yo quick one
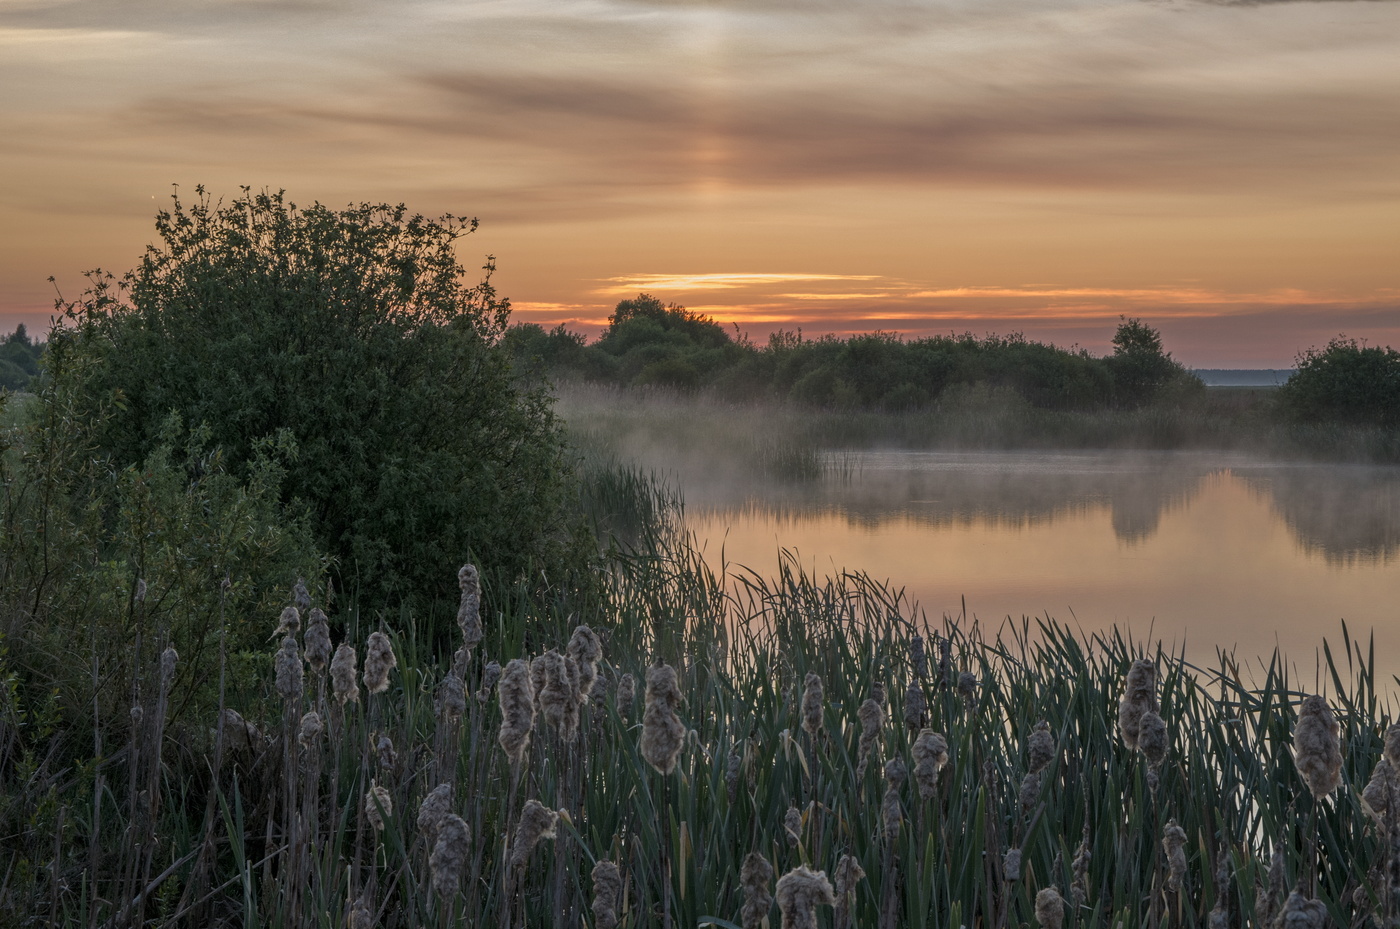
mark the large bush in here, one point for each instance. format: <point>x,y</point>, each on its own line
<point>353,333</point>
<point>1345,382</point>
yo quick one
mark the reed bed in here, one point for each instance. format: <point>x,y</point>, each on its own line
<point>717,750</point>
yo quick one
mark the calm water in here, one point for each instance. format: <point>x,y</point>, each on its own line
<point>1204,549</point>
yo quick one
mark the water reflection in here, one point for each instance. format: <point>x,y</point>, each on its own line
<point>1348,516</point>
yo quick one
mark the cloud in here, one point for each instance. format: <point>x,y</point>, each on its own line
<point>718,281</point>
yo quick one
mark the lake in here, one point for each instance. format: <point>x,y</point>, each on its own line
<point>1203,549</point>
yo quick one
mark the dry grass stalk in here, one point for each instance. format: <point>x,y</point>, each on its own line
<point>607,894</point>
<point>379,661</point>
<point>754,877</point>
<point>1317,747</point>
<point>800,892</point>
<point>662,731</point>
<point>812,704</point>
<point>1139,697</point>
<point>317,642</point>
<point>848,874</point>
<point>1174,844</point>
<point>448,861</point>
<point>1049,908</point>
<point>930,757</point>
<point>343,684</point>
<point>537,822</point>
<point>517,699</point>
<point>872,718</point>
<point>469,610</point>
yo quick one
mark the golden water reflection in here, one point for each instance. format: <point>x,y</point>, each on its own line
<point>1203,549</point>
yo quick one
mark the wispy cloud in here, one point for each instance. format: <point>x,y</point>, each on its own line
<point>715,281</point>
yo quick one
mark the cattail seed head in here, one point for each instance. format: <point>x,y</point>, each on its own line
<point>877,693</point>
<point>289,673</point>
<point>891,814</point>
<point>918,658</point>
<point>607,894</point>
<point>168,659</point>
<point>301,597</point>
<point>384,748</point>
<point>1380,788</point>
<point>1049,908</point>
<point>812,704</point>
<point>896,772</point>
<point>872,717</point>
<point>1041,747</point>
<point>289,623</point>
<point>792,825</point>
<point>378,804</point>
<point>915,706</point>
<point>754,876</point>
<point>945,660</point>
<point>1392,746</point>
<point>930,757</point>
<point>343,683</point>
<point>360,916</point>
<point>309,732</point>
<point>1174,844</point>
<point>1029,792</point>
<point>1079,886</point>
<point>1317,748</point>
<point>517,699</point>
<point>449,858</point>
<point>241,735</point>
<point>556,681</point>
<point>451,698</point>
<point>967,686</point>
<point>1152,738</point>
<point>626,695</point>
<point>537,822</point>
<point>490,676</point>
<point>317,641</point>
<point>1140,696</point>
<point>586,650</point>
<point>848,874</point>
<point>379,661</point>
<point>435,806</point>
<point>469,611</point>
<point>732,768</point>
<point>800,892</point>
<point>1299,912</point>
<point>1011,865</point>
<point>662,731</point>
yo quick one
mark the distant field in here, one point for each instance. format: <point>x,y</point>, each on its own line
<point>1243,377</point>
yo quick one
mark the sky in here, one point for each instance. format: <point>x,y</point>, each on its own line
<point>1229,172</point>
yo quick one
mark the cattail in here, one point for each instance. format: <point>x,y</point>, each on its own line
<point>1011,865</point>
<point>239,734</point>
<point>607,894</point>
<point>915,706</point>
<point>967,686</point>
<point>469,612</point>
<point>792,825</point>
<point>877,693</point>
<point>361,916</point>
<point>662,732</point>
<point>812,704</point>
<point>309,733</point>
<point>733,766</point>
<point>891,813</point>
<point>1379,789</point>
<point>449,858</point>
<point>945,661</point>
<point>1219,917</point>
<point>1301,913</point>
<point>1174,844</point>
<point>289,674</point>
<point>379,661</point>
<point>556,681</point>
<point>626,695</point>
<point>289,623</point>
<point>517,710</point>
<point>301,597</point>
<point>378,805</point>
<point>872,717</point>
<point>343,683</point>
<point>800,892</point>
<point>1041,747</point>
<point>754,876</point>
<point>1029,792</point>
<point>930,756</point>
<point>599,694</point>
<point>139,595</point>
<point>490,675</point>
<point>436,805</point>
<point>1079,885</point>
<point>848,874</point>
<point>1049,908</point>
<point>1140,696</point>
<point>1392,746</point>
<point>1152,738</point>
<point>896,772</point>
<point>537,821</point>
<point>168,658</point>
<point>1317,750</point>
<point>918,658</point>
<point>586,650</point>
<point>1268,897</point>
<point>451,697</point>
<point>384,748</point>
<point>317,641</point>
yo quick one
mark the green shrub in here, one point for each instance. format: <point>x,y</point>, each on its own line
<point>1345,382</point>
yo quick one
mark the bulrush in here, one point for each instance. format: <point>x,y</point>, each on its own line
<point>517,710</point>
<point>1049,908</point>
<point>309,733</point>
<point>754,876</point>
<point>435,806</point>
<point>1301,913</point>
<point>1392,746</point>
<point>469,611</point>
<point>1011,865</point>
<point>967,686</point>
<point>930,757</point>
<point>289,623</point>
<point>607,894</point>
<point>556,681</point>
<point>586,650</point>
<point>1152,738</point>
<point>891,814</point>
<point>1029,792</point>
<point>1079,885</point>
<point>1140,696</point>
<point>449,857</point>
<point>812,704</point>
<point>662,731</point>
<point>918,658</point>
<point>1317,749</point>
<point>792,825</point>
<point>537,822</point>
<point>379,661</point>
<point>317,642</point>
<point>289,673</point>
<point>1380,788</point>
<point>848,874</point>
<point>241,735</point>
<point>384,748</point>
<point>733,766</point>
<point>490,675</point>
<point>301,597</point>
<point>800,892</point>
<point>361,916</point>
<point>1174,844</point>
<point>626,695</point>
<point>1040,747</point>
<point>343,683</point>
<point>872,717</point>
<point>378,804</point>
<point>915,706</point>
<point>451,698</point>
<point>168,660</point>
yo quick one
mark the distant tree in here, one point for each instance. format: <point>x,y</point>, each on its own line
<point>1141,369</point>
<point>1347,381</point>
<point>19,359</point>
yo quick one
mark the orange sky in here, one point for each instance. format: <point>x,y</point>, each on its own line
<point>1229,171</point>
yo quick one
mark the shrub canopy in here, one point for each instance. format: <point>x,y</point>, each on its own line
<point>1347,382</point>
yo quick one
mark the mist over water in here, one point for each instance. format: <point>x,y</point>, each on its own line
<point>1204,549</point>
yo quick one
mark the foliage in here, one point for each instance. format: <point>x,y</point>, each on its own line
<point>353,332</point>
<point>1142,371</point>
<point>19,359</point>
<point>1347,382</point>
